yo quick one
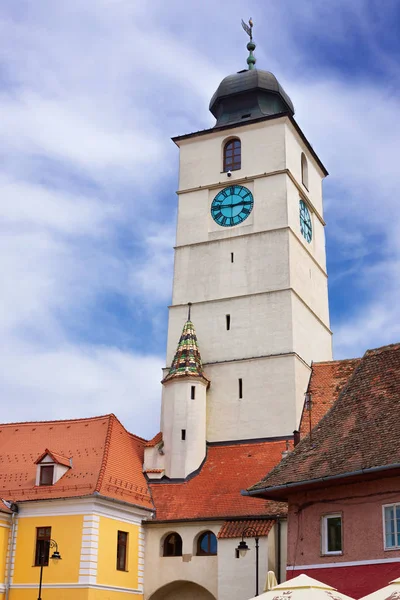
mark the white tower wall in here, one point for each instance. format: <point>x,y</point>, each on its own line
<point>263,274</point>
<point>181,413</point>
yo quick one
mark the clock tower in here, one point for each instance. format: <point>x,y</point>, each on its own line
<point>250,258</point>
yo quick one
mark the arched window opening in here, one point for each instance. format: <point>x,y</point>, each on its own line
<point>207,544</point>
<point>232,155</point>
<point>304,170</point>
<point>172,545</point>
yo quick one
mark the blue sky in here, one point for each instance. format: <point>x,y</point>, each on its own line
<point>90,93</point>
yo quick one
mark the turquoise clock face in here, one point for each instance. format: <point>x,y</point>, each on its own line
<point>232,205</point>
<point>305,221</point>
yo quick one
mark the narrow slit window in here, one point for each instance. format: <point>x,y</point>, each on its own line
<point>228,322</point>
<point>193,392</point>
<point>240,388</point>
<point>183,434</point>
<point>232,257</point>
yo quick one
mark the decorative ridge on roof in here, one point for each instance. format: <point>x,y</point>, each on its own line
<point>105,454</point>
<point>187,360</point>
<point>96,418</point>
<point>335,362</point>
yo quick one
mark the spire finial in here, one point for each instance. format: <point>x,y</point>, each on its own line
<point>189,307</point>
<point>251,60</point>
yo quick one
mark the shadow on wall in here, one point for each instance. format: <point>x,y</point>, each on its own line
<point>182,590</point>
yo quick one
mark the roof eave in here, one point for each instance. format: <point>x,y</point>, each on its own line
<point>187,136</point>
<point>276,492</point>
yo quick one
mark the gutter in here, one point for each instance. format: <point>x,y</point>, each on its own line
<point>296,484</point>
<point>11,548</point>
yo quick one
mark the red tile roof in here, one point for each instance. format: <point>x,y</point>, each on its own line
<point>57,458</point>
<point>367,409</point>
<point>326,383</point>
<point>254,527</point>
<point>215,490</point>
<point>154,441</point>
<point>106,459</point>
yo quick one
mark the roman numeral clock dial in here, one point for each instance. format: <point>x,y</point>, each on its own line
<point>232,205</point>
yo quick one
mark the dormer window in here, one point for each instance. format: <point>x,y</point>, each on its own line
<point>46,474</point>
<point>50,467</point>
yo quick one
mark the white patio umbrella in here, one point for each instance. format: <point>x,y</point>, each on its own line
<point>391,591</point>
<point>302,588</point>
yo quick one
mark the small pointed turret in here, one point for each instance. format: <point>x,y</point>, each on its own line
<point>184,407</point>
<point>187,360</point>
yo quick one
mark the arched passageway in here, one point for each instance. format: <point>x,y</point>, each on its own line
<point>182,590</point>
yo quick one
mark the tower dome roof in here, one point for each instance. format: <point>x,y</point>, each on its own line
<point>248,95</point>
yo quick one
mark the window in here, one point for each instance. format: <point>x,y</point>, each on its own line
<point>232,155</point>
<point>304,170</point>
<point>172,545</point>
<point>240,388</point>
<point>228,322</point>
<point>207,544</point>
<point>231,257</point>
<point>332,534</point>
<point>192,392</point>
<point>43,535</point>
<point>391,515</point>
<point>183,434</point>
<point>122,546</point>
<point>46,475</point>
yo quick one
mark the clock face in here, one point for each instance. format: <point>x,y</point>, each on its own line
<point>232,205</point>
<point>305,221</point>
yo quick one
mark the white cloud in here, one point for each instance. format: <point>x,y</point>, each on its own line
<point>90,93</point>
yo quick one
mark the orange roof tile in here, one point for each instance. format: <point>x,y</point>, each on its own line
<point>326,382</point>
<point>154,441</point>
<point>254,527</point>
<point>215,490</point>
<point>106,459</point>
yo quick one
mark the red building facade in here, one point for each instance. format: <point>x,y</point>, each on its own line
<point>342,482</point>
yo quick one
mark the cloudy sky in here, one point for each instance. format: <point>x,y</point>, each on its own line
<point>90,93</point>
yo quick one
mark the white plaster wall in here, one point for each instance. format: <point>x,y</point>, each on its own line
<point>294,147</point>
<point>182,457</point>
<point>307,279</point>
<point>269,404</point>
<point>311,340</point>
<point>260,264</point>
<point>160,570</point>
<point>237,576</point>
<point>260,325</point>
<point>263,150</point>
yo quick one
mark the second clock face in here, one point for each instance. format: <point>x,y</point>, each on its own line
<point>232,205</point>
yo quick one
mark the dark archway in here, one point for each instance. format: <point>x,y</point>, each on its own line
<point>182,590</point>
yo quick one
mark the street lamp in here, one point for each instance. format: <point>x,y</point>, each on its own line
<point>243,548</point>
<point>55,556</point>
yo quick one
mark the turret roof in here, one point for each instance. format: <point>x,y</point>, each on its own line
<point>187,360</point>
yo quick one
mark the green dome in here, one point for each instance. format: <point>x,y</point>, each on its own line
<point>248,95</point>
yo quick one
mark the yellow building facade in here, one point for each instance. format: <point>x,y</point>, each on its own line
<point>96,537</point>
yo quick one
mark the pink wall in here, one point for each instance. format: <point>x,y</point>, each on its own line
<point>361,506</point>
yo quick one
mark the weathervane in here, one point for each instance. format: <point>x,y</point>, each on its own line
<point>251,61</point>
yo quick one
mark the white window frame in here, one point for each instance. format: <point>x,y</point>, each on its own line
<point>392,505</point>
<point>324,534</point>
